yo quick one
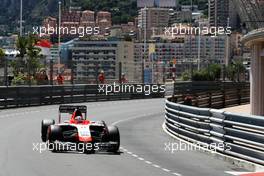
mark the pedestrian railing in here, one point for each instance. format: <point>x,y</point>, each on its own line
<point>212,94</point>
<point>22,96</point>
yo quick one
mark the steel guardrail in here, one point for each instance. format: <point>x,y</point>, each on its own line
<point>240,136</point>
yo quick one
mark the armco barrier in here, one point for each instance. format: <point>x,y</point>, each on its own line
<point>22,96</point>
<point>241,136</point>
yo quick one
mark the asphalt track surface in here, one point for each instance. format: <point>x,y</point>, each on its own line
<point>142,145</point>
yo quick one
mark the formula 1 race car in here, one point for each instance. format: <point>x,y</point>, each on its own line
<point>78,133</point>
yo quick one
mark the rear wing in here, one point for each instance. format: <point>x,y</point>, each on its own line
<point>71,108</point>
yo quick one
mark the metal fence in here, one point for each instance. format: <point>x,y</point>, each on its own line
<point>240,136</point>
<point>22,96</point>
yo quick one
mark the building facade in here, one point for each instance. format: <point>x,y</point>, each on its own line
<point>184,51</point>
<point>218,12</point>
<point>150,19</point>
<point>89,58</point>
<point>157,3</point>
<point>223,13</point>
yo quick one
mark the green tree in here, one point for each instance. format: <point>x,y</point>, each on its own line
<point>28,61</point>
<point>235,70</point>
<point>231,73</point>
<point>21,45</point>
<point>19,63</point>
<point>33,54</point>
<point>240,69</point>
<point>211,73</point>
<point>185,76</point>
<point>2,55</point>
<point>214,71</point>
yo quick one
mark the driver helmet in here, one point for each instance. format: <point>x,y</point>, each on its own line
<point>78,118</point>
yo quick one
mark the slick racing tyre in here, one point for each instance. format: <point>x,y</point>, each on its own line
<point>114,137</point>
<point>54,133</point>
<point>44,127</point>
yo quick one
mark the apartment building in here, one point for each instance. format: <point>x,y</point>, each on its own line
<point>157,3</point>
<point>223,13</point>
<point>184,50</point>
<point>150,19</point>
<point>91,57</point>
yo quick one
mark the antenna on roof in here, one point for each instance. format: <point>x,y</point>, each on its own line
<point>70,8</point>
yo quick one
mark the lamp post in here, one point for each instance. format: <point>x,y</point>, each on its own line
<point>5,72</point>
<point>144,23</point>
<point>59,37</point>
<point>199,45</point>
<point>21,18</point>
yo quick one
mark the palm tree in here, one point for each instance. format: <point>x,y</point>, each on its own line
<point>3,63</point>
<point>28,58</point>
<point>235,70</point>
<point>230,72</point>
<point>240,69</point>
<point>2,55</point>
<point>33,54</point>
<point>21,45</point>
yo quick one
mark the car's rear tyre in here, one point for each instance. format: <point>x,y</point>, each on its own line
<point>44,127</point>
<point>114,137</point>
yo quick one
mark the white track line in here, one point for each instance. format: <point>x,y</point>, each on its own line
<point>139,157</point>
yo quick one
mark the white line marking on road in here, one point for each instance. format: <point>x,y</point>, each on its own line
<point>134,155</point>
<point>242,173</point>
<point>138,157</point>
<point>237,173</point>
<point>148,162</point>
<point>166,170</point>
<point>155,165</point>
<point>141,159</point>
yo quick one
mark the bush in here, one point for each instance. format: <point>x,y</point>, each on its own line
<point>211,73</point>
<point>185,76</point>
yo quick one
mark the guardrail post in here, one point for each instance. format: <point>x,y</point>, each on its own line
<point>196,100</point>
<point>210,100</point>
<point>85,93</point>
<point>224,98</point>
<point>217,131</point>
<point>17,97</point>
<point>40,95</point>
<point>239,96</point>
<point>72,87</point>
<point>51,94</point>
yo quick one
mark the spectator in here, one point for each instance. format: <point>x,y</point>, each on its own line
<point>60,79</point>
<point>101,77</point>
<point>188,100</point>
<point>46,78</point>
<point>123,79</point>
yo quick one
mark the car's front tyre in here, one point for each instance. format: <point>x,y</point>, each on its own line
<point>114,136</point>
<point>44,128</point>
<point>54,133</point>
